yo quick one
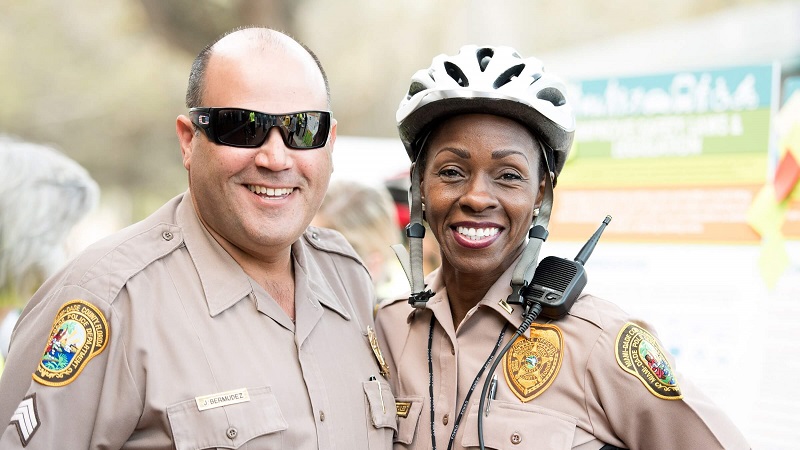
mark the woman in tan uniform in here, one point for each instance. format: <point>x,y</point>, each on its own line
<point>480,355</point>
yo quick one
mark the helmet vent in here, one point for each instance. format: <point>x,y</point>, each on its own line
<point>456,74</point>
<point>508,75</point>
<point>552,95</point>
<point>484,58</point>
<point>415,88</point>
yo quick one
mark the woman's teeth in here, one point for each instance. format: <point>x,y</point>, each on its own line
<point>476,234</point>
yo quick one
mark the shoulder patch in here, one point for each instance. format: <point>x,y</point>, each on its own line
<point>640,354</point>
<point>531,365</point>
<point>80,332</point>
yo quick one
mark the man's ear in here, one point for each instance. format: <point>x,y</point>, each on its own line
<point>185,131</point>
<point>331,142</point>
<point>333,132</point>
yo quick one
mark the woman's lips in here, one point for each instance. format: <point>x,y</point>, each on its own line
<point>477,236</point>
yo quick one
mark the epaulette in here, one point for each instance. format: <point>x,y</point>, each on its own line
<point>391,301</point>
<point>107,265</point>
<point>599,312</point>
<point>331,241</point>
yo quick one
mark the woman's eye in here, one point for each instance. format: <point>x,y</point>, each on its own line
<point>510,176</point>
<point>448,173</point>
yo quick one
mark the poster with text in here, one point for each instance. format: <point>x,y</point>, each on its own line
<point>674,157</point>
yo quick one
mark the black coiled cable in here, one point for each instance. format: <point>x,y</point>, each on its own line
<point>532,310</point>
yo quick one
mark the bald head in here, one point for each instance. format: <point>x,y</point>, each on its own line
<point>239,43</point>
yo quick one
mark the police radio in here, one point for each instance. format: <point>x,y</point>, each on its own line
<point>558,282</point>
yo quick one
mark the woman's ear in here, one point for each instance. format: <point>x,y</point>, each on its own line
<point>540,194</point>
<point>421,178</point>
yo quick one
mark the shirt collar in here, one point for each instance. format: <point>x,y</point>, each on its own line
<point>223,280</point>
<point>495,299</point>
<point>309,282</point>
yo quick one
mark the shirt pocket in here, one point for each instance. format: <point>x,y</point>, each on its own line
<point>229,426</point>
<point>520,426</point>
<point>408,423</point>
<point>382,413</point>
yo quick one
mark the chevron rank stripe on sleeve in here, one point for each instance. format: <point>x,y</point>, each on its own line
<point>26,419</point>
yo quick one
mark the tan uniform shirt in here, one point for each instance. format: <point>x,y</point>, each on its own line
<point>171,345</point>
<point>589,401</point>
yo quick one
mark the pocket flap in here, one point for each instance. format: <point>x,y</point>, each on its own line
<point>381,404</point>
<point>227,426</point>
<point>409,409</point>
<point>520,426</point>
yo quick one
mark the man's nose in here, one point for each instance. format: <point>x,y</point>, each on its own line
<point>273,153</point>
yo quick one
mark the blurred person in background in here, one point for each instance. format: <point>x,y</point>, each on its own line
<point>43,195</point>
<point>219,321</point>
<point>488,133</point>
<point>367,218</point>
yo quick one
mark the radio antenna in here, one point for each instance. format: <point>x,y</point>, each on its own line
<point>588,248</point>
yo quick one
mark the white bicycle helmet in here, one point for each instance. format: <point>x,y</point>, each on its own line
<point>488,80</point>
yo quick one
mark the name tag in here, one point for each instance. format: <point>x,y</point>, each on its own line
<point>222,399</point>
<point>403,408</point>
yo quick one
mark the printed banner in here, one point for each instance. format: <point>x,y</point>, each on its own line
<point>673,157</point>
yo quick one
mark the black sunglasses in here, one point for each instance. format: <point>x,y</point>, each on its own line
<point>236,127</point>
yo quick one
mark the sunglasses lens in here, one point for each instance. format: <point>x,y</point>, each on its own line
<point>241,128</point>
<point>305,130</point>
<point>245,128</point>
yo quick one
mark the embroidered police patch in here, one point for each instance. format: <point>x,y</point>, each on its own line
<point>80,332</point>
<point>531,365</point>
<point>639,354</point>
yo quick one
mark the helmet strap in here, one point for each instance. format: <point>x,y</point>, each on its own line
<point>525,268</point>
<point>415,231</point>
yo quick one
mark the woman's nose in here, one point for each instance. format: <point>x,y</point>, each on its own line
<point>479,195</point>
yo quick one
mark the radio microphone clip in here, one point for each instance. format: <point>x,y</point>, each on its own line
<point>558,282</point>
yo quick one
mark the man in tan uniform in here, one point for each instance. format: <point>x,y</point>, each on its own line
<point>221,320</point>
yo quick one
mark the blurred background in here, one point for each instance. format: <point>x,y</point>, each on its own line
<point>691,137</point>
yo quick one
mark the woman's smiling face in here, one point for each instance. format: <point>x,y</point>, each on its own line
<point>480,185</point>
